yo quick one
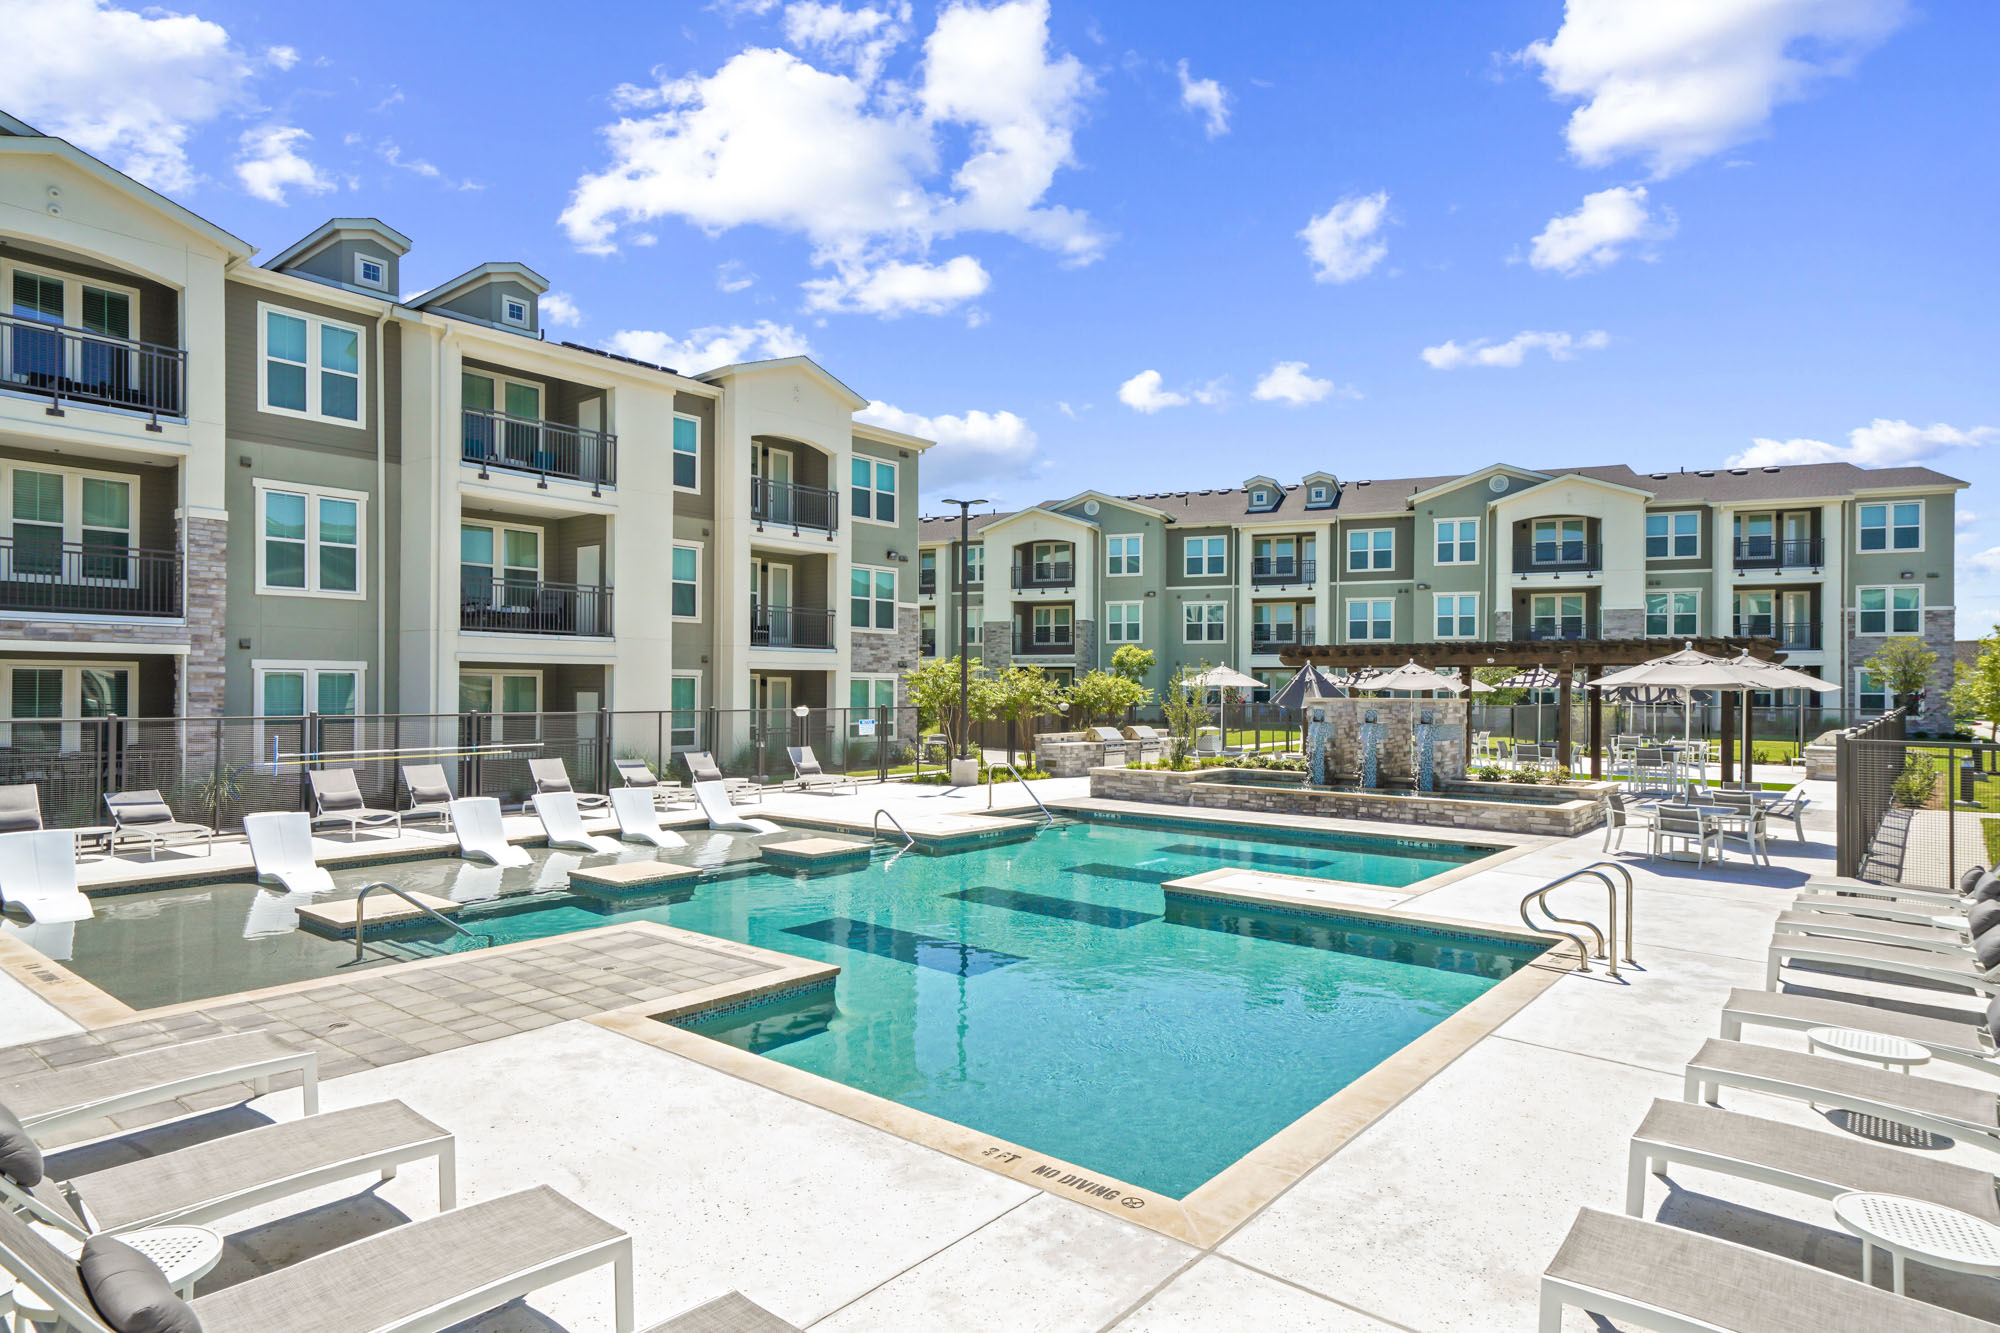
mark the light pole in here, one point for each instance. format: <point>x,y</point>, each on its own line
<point>964,576</point>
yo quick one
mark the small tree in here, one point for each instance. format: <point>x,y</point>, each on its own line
<point>1133,663</point>
<point>1493,676</point>
<point>1975,694</point>
<point>1903,667</point>
<point>1185,711</point>
<point>933,687</point>
<point>1103,694</point>
<point>1021,694</point>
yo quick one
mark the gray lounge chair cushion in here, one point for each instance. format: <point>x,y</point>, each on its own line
<point>20,809</point>
<point>20,1158</point>
<point>1983,916</point>
<point>702,768</point>
<point>1993,1018</point>
<point>1986,948</point>
<point>427,784</point>
<point>140,807</point>
<point>1970,879</point>
<point>1987,886</point>
<point>130,1291</point>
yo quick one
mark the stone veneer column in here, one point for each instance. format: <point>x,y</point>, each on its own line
<point>1938,636</point>
<point>889,654</point>
<point>996,645</point>
<point>203,671</point>
<point>1622,624</point>
<point>1503,625</point>
<point>1086,646</point>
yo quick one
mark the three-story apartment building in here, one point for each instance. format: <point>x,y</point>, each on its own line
<point>284,488</point>
<point>1828,559</point>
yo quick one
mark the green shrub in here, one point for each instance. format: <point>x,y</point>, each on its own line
<point>1917,782</point>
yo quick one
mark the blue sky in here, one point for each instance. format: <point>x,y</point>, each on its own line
<point>1377,239</point>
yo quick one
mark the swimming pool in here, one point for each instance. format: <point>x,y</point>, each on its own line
<point>1048,992</point>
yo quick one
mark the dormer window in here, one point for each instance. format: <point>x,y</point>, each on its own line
<point>513,310</point>
<point>1260,499</point>
<point>371,272</point>
<point>1317,495</point>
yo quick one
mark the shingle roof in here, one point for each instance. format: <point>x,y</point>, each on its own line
<point>944,527</point>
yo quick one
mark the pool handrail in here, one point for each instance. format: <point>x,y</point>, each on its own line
<point>361,920</point>
<point>875,827</point>
<point>1046,814</point>
<point>1607,948</point>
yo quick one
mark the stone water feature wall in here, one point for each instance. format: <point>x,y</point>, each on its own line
<point>1398,719</point>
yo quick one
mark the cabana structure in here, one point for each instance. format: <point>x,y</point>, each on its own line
<point>1573,662</point>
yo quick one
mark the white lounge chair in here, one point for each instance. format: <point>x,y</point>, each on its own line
<point>712,796</point>
<point>476,822</point>
<point>639,818</point>
<point>145,815</point>
<point>552,775</point>
<point>337,799</point>
<point>1952,969</point>
<point>281,847</point>
<point>564,824</point>
<point>430,791</point>
<point>55,1098</point>
<point>38,877</point>
<point>1927,936</point>
<point>1967,1043</point>
<point>810,776</point>
<point>638,773</point>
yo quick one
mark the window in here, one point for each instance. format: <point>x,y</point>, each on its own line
<point>874,490</point>
<point>1316,496</point>
<point>687,583</point>
<point>515,696</point>
<point>1204,622</point>
<point>927,571</point>
<point>295,689</point>
<point>1893,527</point>
<point>1260,498</point>
<point>683,732</point>
<point>1371,548</point>
<point>1557,616</point>
<point>871,699</point>
<point>687,454</point>
<point>1457,615</point>
<point>1558,541</point>
<point>872,602</point>
<point>47,692</point>
<point>1272,624</point>
<point>1673,536</point>
<point>1890,611</point>
<point>499,566</point>
<point>1121,622</point>
<point>1371,619</point>
<point>1753,614</point>
<point>975,564</point>
<point>1675,614</point>
<point>309,541</point>
<point>1122,554</point>
<point>1052,626</point>
<point>1458,541</point>
<point>68,526</point>
<point>1049,562</point>
<point>51,298</point>
<point>514,310</point>
<point>975,624</point>
<point>1206,556</point>
<point>1869,695</point>
<point>312,367</point>
<point>371,272</point>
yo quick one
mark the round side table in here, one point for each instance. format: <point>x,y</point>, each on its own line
<point>1889,1052</point>
<point>185,1254</point>
<point>1914,1229</point>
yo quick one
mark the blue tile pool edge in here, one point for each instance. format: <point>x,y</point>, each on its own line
<point>1365,917</point>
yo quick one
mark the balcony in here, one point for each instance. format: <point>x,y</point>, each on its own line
<point>1776,553</point>
<point>927,643</point>
<point>1266,570</point>
<point>1558,557</point>
<point>926,582</point>
<point>1542,629</point>
<point>1796,635</point>
<point>790,627</point>
<point>787,504</point>
<point>523,606</point>
<point>92,369</point>
<point>1044,644</point>
<point>1276,638</point>
<point>1054,574</point>
<point>540,448</point>
<point>86,578</point>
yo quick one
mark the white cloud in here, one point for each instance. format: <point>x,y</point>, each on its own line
<point>1142,393</point>
<point>978,446</point>
<point>858,38</point>
<point>731,276</point>
<point>1964,518</point>
<point>1598,233</point>
<point>706,348</point>
<point>281,57</point>
<point>269,162</point>
<point>559,309</point>
<point>864,173</point>
<point>1207,99</point>
<point>895,287</point>
<point>1287,382</point>
<point>1880,443</point>
<point>1343,242</point>
<point>126,86</point>
<point>1485,352</point>
<point>1675,82</point>
<point>1982,562</point>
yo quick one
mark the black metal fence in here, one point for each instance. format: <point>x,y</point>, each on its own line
<point>1913,810</point>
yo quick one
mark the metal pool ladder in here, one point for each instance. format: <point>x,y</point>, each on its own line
<point>1607,948</point>
<point>1024,787</point>
<point>908,840</point>
<point>361,921</point>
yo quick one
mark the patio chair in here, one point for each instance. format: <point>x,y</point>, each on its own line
<point>481,836</point>
<point>712,795</point>
<point>421,1277</point>
<point>1751,832</point>
<point>20,808</point>
<point>1619,815</point>
<point>1792,805</point>
<point>1969,1043</point>
<point>38,877</point>
<point>145,816</point>
<point>639,818</point>
<point>1527,756</point>
<point>733,1313</point>
<point>810,776</point>
<point>563,824</point>
<point>281,849</point>
<point>430,792</point>
<point>638,773</point>
<point>48,1099</point>
<point>1650,1275</point>
<point>1968,970</point>
<point>1808,1161</point>
<point>228,1175</point>
<point>1685,826</point>
<point>337,799</point>
<point>553,775</point>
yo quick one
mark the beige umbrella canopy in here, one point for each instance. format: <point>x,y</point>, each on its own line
<point>1410,676</point>
<point>1774,676</point>
<point>1686,671</point>
<point>1224,678</point>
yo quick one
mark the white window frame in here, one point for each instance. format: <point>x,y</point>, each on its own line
<point>527,311</point>
<point>1317,495</point>
<point>674,746</point>
<point>496,679</point>
<point>1130,548</point>
<point>1860,689</point>
<point>1204,545</point>
<point>875,491</point>
<point>1672,538</point>
<point>1370,550</point>
<point>1260,498</point>
<point>72,294</point>
<point>1137,622</point>
<point>361,261</point>
<point>975,564</point>
<point>1671,614</point>
<point>874,599</point>
<point>674,453</point>
<point>1458,613</point>
<point>1889,526</point>
<point>1457,541</point>
<point>1371,637</point>
<point>72,519</point>
<point>700,550</point>
<point>874,680</point>
<point>1266,613</point>
<point>262,487</point>
<point>313,323</point>
<point>1204,621</point>
<point>72,696</point>
<point>312,669</point>
<point>1889,611</point>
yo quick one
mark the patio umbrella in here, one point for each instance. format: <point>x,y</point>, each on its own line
<point>1309,682</point>
<point>1410,676</point>
<point>1534,678</point>
<point>1686,671</point>
<point>1220,678</point>
<point>1776,676</point>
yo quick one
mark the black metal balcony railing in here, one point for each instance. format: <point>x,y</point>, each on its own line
<point>1046,641</point>
<point>70,365</point>
<point>1780,553</point>
<point>1558,557</point>
<point>926,582</point>
<point>1269,638</point>
<point>1802,635</point>
<point>927,643</point>
<point>524,606</point>
<point>86,578</point>
<point>787,504</point>
<point>1281,569</point>
<point>978,580</point>
<point>1539,628</point>
<point>1052,574</point>
<point>544,448</point>
<point>790,626</point>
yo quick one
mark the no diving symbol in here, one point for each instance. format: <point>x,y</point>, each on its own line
<point>1133,1201</point>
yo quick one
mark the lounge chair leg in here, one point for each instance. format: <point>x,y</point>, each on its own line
<point>1635,1182</point>
<point>1551,1320</point>
<point>388,1173</point>
<point>621,1289</point>
<point>1691,1087</point>
<point>309,1086</point>
<point>261,1085</point>
<point>448,1177</point>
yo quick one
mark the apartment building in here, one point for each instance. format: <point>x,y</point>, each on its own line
<point>282,488</point>
<point>1828,559</point>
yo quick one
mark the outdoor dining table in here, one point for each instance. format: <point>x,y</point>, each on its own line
<point>1729,816</point>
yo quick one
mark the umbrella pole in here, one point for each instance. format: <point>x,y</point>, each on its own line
<point>1596,725</point>
<point>1728,736</point>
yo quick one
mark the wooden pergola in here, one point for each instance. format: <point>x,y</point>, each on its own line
<point>1572,661</point>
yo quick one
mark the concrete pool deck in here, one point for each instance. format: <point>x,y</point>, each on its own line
<point>1440,1214</point>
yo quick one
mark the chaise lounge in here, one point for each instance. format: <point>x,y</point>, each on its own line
<point>145,816</point>
<point>48,1099</point>
<point>337,799</point>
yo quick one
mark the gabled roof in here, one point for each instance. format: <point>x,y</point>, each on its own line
<point>12,125</point>
<point>473,277</point>
<point>335,230</point>
<point>1589,477</point>
<point>1104,497</point>
<point>944,527</point>
<point>1481,475</point>
<point>32,144</point>
<point>1043,511</point>
<point>856,401</point>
